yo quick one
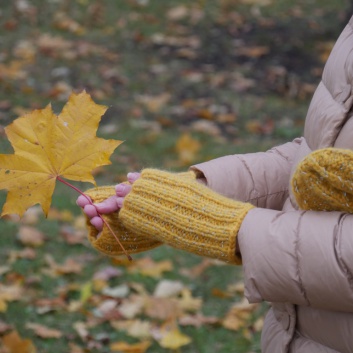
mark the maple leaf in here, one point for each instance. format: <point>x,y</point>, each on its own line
<point>48,147</point>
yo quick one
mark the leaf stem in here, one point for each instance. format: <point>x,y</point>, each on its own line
<point>100,216</point>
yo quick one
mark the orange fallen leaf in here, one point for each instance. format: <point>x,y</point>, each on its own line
<point>15,344</point>
<point>125,347</point>
<point>48,147</point>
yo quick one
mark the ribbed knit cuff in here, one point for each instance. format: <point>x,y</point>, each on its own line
<point>185,214</point>
<point>105,241</point>
<point>323,181</point>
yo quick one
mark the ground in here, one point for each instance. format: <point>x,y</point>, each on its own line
<point>185,82</point>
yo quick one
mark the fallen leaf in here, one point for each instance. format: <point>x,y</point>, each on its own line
<point>172,337</point>
<point>4,327</point>
<point>30,236</point>
<point>46,305</point>
<point>47,147</point>
<point>4,269</point>
<point>253,52</point>
<point>187,302</point>
<point>121,291</point>
<point>32,216</point>
<point>105,308</point>
<point>177,13</point>
<point>55,269</point>
<point>86,292</point>
<point>154,103</point>
<point>259,324</point>
<point>26,253</point>
<point>239,314</point>
<point>197,270</point>
<point>74,348</point>
<point>168,288</point>
<point>148,267</point>
<point>8,294</point>
<point>198,320</point>
<point>140,329</point>
<point>125,347</point>
<point>15,344</point>
<point>107,273</point>
<point>257,2</point>
<point>44,331</point>
<point>162,308</point>
<point>132,306</point>
<point>217,292</point>
<point>81,329</point>
<point>187,149</point>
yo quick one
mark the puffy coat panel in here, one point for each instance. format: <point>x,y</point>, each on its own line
<point>333,98</point>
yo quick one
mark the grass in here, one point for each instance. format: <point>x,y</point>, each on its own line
<point>110,49</point>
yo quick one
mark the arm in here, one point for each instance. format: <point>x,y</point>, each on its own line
<point>261,178</point>
<point>302,257</point>
<point>305,257</point>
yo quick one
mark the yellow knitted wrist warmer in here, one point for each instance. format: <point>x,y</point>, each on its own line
<point>106,242</point>
<point>323,181</point>
<point>184,214</point>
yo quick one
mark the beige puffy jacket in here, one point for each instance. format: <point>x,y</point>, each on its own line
<point>300,261</point>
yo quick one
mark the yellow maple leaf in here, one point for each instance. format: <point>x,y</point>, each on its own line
<point>48,147</point>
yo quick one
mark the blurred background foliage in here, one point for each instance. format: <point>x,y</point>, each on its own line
<point>185,82</point>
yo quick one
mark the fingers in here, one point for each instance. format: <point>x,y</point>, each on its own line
<point>107,206</point>
<point>132,177</point>
<point>122,189</point>
<point>97,223</point>
<point>82,201</point>
<point>90,211</point>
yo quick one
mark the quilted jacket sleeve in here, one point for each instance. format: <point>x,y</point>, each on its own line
<point>301,257</point>
<point>263,176</point>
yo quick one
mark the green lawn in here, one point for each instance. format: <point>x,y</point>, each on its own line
<point>185,82</point>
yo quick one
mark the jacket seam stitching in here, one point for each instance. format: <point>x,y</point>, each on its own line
<point>276,150</point>
<point>251,176</point>
<point>266,195</point>
<point>296,252</point>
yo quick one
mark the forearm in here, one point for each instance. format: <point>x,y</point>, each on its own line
<point>259,178</point>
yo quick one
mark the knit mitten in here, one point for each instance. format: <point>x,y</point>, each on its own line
<point>106,242</point>
<point>323,181</point>
<point>184,214</point>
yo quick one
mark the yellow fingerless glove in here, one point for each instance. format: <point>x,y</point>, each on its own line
<point>185,214</point>
<point>106,242</point>
<point>323,181</point>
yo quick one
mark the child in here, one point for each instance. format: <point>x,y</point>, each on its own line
<point>297,258</point>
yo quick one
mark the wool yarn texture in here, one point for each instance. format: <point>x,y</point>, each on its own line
<point>323,181</point>
<point>105,241</point>
<point>185,214</point>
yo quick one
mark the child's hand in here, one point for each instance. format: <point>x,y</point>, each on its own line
<point>112,204</point>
